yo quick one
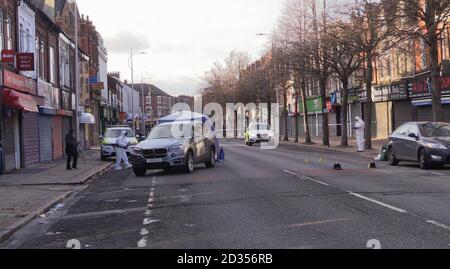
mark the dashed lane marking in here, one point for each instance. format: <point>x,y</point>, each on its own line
<point>379,203</point>
<point>435,223</point>
<point>351,193</point>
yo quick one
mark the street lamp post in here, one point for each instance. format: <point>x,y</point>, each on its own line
<point>144,101</point>
<point>77,76</point>
<point>131,64</point>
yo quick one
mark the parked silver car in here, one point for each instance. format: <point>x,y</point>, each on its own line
<point>175,145</point>
<point>425,142</point>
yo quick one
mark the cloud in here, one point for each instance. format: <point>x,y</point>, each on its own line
<point>121,42</point>
<point>181,85</point>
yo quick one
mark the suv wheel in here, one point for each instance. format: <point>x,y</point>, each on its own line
<point>189,163</point>
<point>139,171</point>
<point>211,163</point>
<point>391,157</point>
<point>103,158</point>
<point>423,161</point>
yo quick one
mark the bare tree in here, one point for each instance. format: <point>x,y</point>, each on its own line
<point>345,61</point>
<point>426,21</point>
<point>372,38</point>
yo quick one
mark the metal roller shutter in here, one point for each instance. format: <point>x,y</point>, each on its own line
<point>66,128</point>
<point>424,113</point>
<point>57,138</point>
<point>45,138</point>
<point>403,112</point>
<point>30,138</point>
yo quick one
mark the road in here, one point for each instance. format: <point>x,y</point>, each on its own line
<point>288,198</point>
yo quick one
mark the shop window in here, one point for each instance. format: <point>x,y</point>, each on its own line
<point>2,36</point>
<point>9,33</point>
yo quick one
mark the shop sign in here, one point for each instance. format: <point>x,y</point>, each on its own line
<point>25,61</point>
<point>362,96</point>
<point>8,56</point>
<point>391,92</point>
<point>422,87</point>
<point>313,106</point>
<point>17,82</point>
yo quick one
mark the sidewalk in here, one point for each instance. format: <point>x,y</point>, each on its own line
<point>335,143</point>
<point>28,193</point>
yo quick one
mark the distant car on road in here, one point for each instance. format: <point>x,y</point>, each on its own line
<point>108,141</point>
<point>258,132</point>
<point>425,142</point>
<point>180,144</point>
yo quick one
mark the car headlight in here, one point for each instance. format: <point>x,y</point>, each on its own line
<point>134,142</point>
<point>176,149</point>
<point>137,151</point>
<point>435,146</point>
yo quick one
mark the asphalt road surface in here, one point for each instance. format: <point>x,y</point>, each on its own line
<point>287,198</point>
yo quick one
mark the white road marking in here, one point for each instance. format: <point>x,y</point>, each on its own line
<point>142,243</point>
<point>351,193</point>
<point>438,174</point>
<point>306,178</point>
<point>438,224</point>
<point>150,221</point>
<point>378,203</point>
<point>292,173</point>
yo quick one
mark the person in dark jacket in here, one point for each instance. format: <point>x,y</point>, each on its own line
<point>71,150</point>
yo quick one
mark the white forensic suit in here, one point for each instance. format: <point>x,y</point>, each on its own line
<point>360,140</point>
<point>121,155</point>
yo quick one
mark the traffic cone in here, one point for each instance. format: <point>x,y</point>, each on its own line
<point>372,165</point>
<point>337,166</point>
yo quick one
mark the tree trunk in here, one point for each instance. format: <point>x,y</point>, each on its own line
<point>285,112</point>
<point>308,139</point>
<point>296,118</point>
<point>435,69</point>
<point>325,127</point>
<point>344,111</point>
<point>368,110</point>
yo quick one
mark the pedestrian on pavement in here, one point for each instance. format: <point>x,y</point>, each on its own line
<point>121,155</point>
<point>71,150</point>
<point>360,140</point>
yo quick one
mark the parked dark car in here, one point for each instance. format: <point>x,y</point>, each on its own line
<point>425,142</point>
<point>175,145</point>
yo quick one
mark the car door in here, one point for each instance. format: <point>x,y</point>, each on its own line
<point>399,142</point>
<point>412,143</point>
<point>199,141</point>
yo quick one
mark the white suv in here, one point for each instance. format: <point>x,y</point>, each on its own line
<point>258,132</point>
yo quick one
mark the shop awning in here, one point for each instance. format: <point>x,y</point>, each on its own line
<point>87,118</point>
<point>19,101</point>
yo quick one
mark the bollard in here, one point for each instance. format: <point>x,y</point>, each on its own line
<point>337,166</point>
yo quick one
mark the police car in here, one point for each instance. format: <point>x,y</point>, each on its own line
<point>258,132</point>
<point>108,145</point>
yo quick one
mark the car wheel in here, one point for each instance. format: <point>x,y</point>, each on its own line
<point>423,161</point>
<point>139,171</point>
<point>189,163</point>
<point>104,158</point>
<point>212,159</point>
<point>391,157</point>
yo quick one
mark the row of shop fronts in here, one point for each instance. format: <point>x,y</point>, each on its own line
<point>393,105</point>
<point>35,116</point>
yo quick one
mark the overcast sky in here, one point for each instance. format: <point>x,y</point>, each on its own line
<point>182,38</point>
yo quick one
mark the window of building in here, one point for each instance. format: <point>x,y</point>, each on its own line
<point>2,36</point>
<point>159,99</point>
<point>42,59</point>
<point>52,64</point>
<point>9,33</point>
<point>38,59</point>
